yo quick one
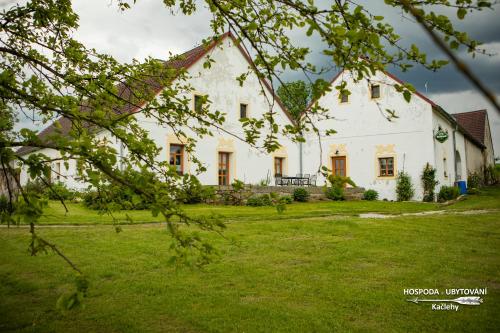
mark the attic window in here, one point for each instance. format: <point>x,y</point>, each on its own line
<point>344,98</point>
<point>198,103</point>
<point>243,110</point>
<point>375,91</point>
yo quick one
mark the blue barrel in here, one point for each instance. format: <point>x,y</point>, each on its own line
<point>462,186</point>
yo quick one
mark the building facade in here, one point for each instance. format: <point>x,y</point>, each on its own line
<point>380,134</point>
<point>225,157</point>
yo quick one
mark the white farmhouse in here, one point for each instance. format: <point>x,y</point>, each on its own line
<point>372,149</point>
<point>225,157</point>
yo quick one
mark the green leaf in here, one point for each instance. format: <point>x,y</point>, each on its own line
<point>407,95</point>
<point>461,12</point>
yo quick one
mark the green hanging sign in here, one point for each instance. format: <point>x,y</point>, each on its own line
<point>441,135</point>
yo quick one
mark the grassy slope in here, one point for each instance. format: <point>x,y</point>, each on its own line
<point>78,214</point>
<point>321,274</point>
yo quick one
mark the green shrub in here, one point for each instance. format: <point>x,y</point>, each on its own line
<point>193,192</point>
<point>370,195</point>
<point>404,187</point>
<point>339,181</point>
<point>300,194</point>
<point>271,199</point>
<point>337,184</point>
<point>490,175</point>
<point>254,202</point>
<point>429,182</point>
<point>448,193</point>
<point>474,180</point>
<point>55,191</point>
<point>335,193</point>
<point>260,200</point>
<point>287,199</point>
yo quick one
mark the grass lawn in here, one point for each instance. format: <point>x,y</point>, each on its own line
<point>296,272</point>
<point>78,214</point>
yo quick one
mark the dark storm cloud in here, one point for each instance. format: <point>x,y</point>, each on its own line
<point>483,26</point>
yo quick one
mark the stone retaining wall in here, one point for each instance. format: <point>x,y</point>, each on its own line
<point>316,192</point>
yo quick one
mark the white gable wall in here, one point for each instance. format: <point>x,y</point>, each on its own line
<point>364,135</point>
<point>219,83</point>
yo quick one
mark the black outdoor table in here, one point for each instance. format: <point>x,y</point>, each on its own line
<point>293,179</point>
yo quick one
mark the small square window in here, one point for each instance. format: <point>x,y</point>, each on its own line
<point>386,166</point>
<point>243,110</point>
<point>375,91</point>
<point>344,98</point>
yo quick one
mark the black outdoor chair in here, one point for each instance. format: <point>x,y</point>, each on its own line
<point>312,180</point>
<point>278,181</point>
<point>305,180</point>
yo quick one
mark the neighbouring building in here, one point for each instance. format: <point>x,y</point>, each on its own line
<point>224,157</point>
<point>372,147</point>
<point>477,124</point>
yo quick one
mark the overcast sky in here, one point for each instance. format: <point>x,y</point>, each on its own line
<point>148,29</point>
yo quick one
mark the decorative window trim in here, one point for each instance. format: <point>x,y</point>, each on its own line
<point>346,166</point>
<point>394,166</point>
<point>384,151</point>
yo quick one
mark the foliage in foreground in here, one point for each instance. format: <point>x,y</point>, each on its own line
<point>45,71</point>
<point>296,96</point>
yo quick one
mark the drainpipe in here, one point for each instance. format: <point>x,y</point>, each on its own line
<point>300,159</point>
<point>455,152</point>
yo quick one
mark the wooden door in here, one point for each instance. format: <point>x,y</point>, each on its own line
<point>223,168</point>
<point>339,165</point>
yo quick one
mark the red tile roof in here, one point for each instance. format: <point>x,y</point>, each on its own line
<point>473,122</point>
<point>181,62</point>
